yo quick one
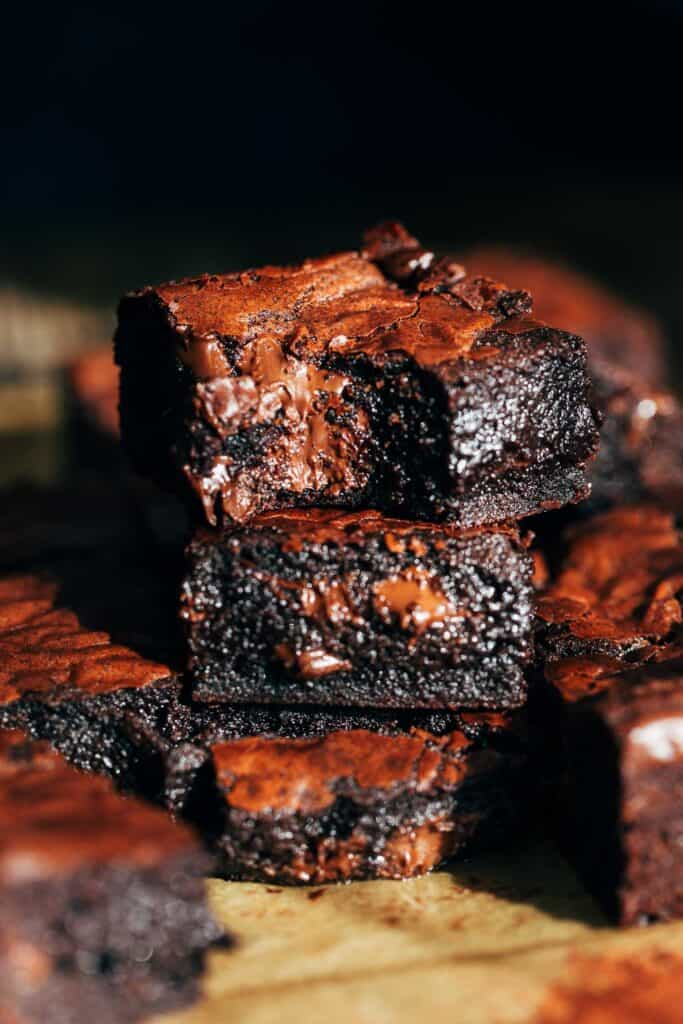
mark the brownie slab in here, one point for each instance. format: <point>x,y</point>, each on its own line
<point>102,906</point>
<point>625,785</point>
<point>384,379</point>
<point>314,606</point>
<point>315,795</point>
<point>616,601</point>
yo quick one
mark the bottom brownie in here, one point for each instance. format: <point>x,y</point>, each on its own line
<point>103,910</point>
<point>318,795</point>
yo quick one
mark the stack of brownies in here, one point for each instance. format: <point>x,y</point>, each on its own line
<point>357,438</point>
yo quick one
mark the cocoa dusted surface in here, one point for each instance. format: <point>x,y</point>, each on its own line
<point>331,382</point>
<point>318,607</point>
<point>89,880</point>
<point>616,601</point>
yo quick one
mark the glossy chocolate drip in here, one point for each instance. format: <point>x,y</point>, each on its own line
<point>315,451</point>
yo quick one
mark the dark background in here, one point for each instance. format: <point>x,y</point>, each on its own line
<point>148,141</point>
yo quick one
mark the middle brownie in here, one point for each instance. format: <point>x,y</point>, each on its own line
<point>314,606</point>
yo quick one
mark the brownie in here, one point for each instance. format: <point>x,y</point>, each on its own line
<point>75,685</point>
<point>315,795</point>
<point>616,601</point>
<point>624,826</point>
<point>317,606</point>
<point>383,379</point>
<point>103,909</point>
<point>112,711</point>
<point>641,450</point>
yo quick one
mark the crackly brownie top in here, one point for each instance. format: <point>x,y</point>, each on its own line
<point>620,584</point>
<point>394,296</point>
<point>54,819</point>
<point>305,776</point>
<point>620,339</point>
<point>46,651</point>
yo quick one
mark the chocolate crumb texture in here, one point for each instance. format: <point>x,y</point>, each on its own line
<point>314,606</point>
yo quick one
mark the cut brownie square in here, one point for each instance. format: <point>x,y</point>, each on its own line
<point>103,905</point>
<point>624,829</point>
<point>315,795</point>
<point>385,379</point>
<point>641,446</point>
<point>314,606</point>
<point>616,599</point>
<point>75,686</point>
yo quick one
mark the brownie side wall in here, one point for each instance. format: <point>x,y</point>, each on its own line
<point>237,620</point>
<point>521,430</point>
<point>651,888</point>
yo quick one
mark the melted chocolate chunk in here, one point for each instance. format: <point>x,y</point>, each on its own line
<point>358,609</point>
<point>385,379</point>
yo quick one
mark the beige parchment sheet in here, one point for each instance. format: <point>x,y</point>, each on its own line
<point>503,939</point>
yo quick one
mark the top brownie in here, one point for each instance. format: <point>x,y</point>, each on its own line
<point>385,378</point>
